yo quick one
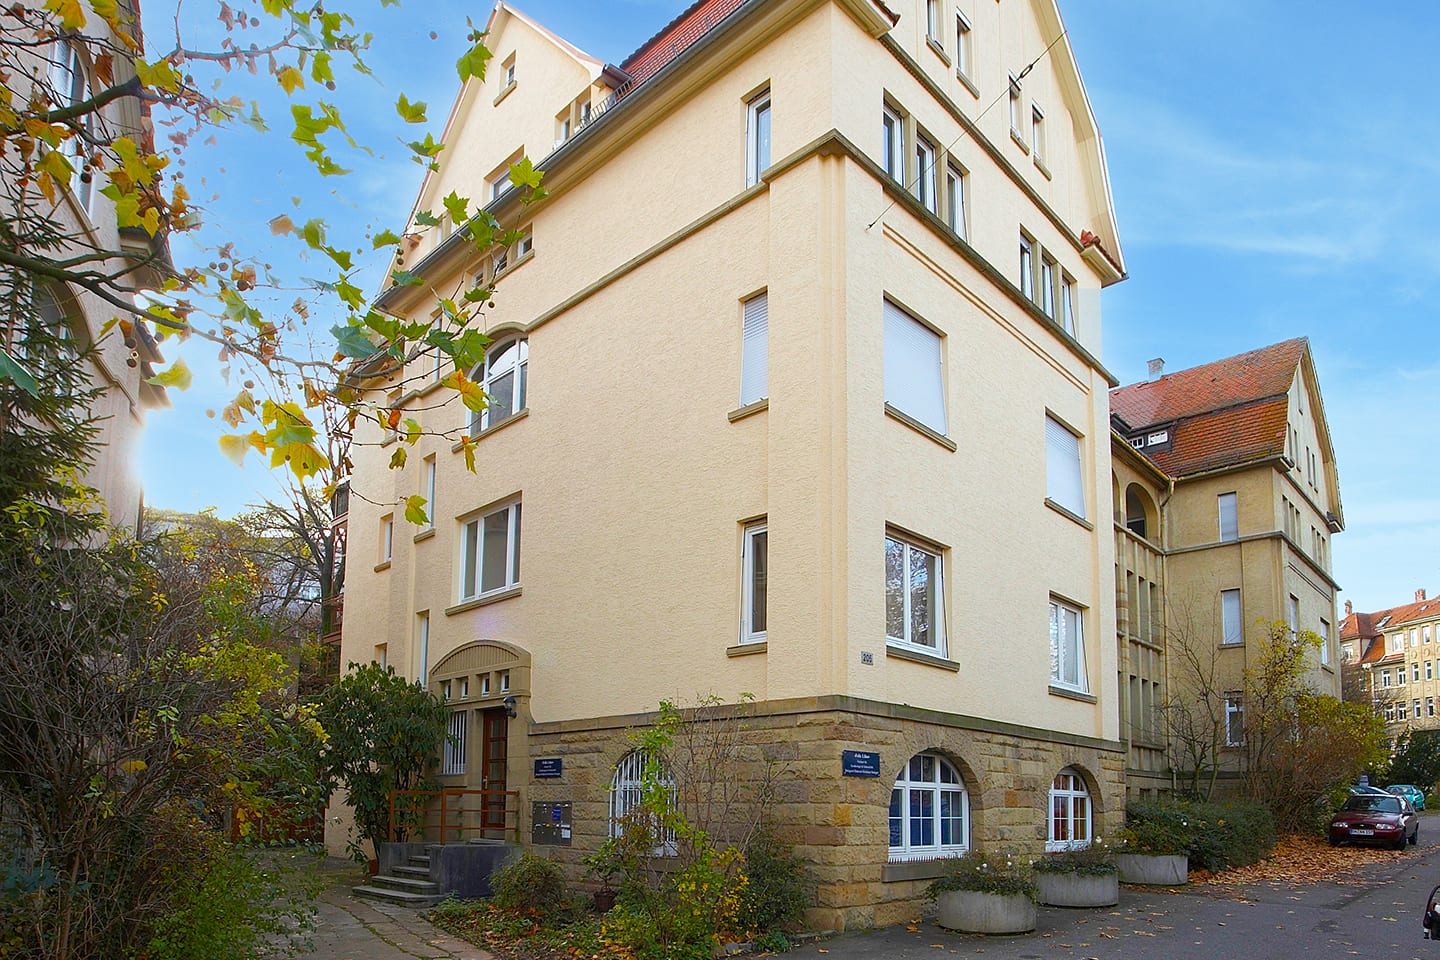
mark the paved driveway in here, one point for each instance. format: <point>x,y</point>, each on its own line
<point>349,928</point>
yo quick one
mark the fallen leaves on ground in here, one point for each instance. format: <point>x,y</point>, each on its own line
<point>1302,859</point>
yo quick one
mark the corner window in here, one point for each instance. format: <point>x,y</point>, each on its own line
<point>955,199</point>
<point>502,376</point>
<point>755,350</point>
<point>914,377</point>
<point>627,788</point>
<point>755,566</point>
<point>914,589</point>
<point>892,141</point>
<point>929,811</point>
<point>1067,648</point>
<point>1064,482</point>
<point>1229,517</point>
<point>1231,631</point>
<point>926,175</point>
<point>1069,827</point>
<point>1234,720</point>
<point>490,553</point>
<point>757,139</point>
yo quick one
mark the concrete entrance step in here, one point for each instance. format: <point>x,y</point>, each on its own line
<point>403,898</point>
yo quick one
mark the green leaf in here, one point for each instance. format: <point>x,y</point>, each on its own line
<point>524,174</point>
<point>415,511</point>
<point>320,70</point>
<point>351,295</point>
<point>352,342</point>
<point>11,370</point>
<point>457,206</point>
<point>427,219</point>
<point>410,112</point>
<point>178,376</point>
<point>472,62</point>
<point>397,459</point>
<point>385,238</point>
<point>411,430</point>
<point>405,278</point>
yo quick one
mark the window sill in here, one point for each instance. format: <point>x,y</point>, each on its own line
<point>919,427</point>
<point>505,92</point>
<point>968,84</point>
<point>484,601</point>
<point>1040,165</point>
<point>916,869</point>
<point>746,649</point>
<point>382,565</point>
<point>520,414</point>
<point>512,267</point>
<point>915,656</point>
<point>1068,514</point>
<point>1233,646</point>
<point>1015,135</point>
<point>750,408</point>
<point>1069,694</point>
<point>938,49</point>
<point>425,534</point>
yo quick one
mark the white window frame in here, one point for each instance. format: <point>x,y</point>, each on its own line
<point>387,538</point>
<point>937,786</point>
<point>1414,671</point>
<point>472,552</point>
<point>755,349</point>
<point>1234,720</point>
<point>755,544</point>
<point>912,351</point>
<point>498,363</point>
<point>1015,102</point>
<point>1068,667</point>
<point>1292,614</point>
<point>1325,646</point>
<point>1064,467</point>
<point>457,736</point>
<point>935,595</point>
<point>1027,267</point>
<point>1227,506</point>
<point>1049,270</point>
<point>892,143</point>
<point>626,793</point>
<point>429,492</point>
<point>1402,711</point>
<point>1070,810</point>
<point>962,45</point>
<point>422,648</point>
<point>1067,304</point>
<point>757,140</point>
<point>932,22</point>
<point>955,188</point>
<point>1232,630</point>
<point>1037,133</point>
<point>927,174</point>
<point>70,82</point>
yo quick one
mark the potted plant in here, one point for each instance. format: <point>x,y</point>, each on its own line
<point>1154,852</point>
<point>603,866</point>
<point>1084,877</point>
<point>985,894</point>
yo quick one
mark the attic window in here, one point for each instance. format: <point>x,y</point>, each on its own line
<point>1383,621</point>
<point>1137,442</point>
<point>1159,436</point>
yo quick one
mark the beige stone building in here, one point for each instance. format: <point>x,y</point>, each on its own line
<point>64,72</point>
<point>1225,500</point>
<point>1395,658</point>
<point>823,268</point>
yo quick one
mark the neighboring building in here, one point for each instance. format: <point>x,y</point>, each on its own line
<point>791,277</point>
<point>1238,500</point>
<point>63,71</point>
<point>1396,656</point>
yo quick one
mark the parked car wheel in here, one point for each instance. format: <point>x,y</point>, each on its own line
<point>1415,837</point>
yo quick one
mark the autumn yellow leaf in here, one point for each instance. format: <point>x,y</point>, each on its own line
<point>234,447</point>
<point>72,17</point>
<point>291,79</point>
<point>58,166</point>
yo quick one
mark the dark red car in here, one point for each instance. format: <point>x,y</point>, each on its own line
<point>1371,818</point>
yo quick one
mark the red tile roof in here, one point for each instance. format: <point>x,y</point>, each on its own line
<point>1220,414</point>
<point>654,54</point>
<point>1371,627</point>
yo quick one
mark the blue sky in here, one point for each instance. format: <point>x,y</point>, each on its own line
<point>1273,176</point>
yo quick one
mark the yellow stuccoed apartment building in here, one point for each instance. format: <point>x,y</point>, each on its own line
<point>827,269</point>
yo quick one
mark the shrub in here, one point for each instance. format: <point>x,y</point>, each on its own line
<point>777,891</point>
<point>997,873</point>
<point>1096,860</point>
<point>1215,836</point>
<point>532,884</point>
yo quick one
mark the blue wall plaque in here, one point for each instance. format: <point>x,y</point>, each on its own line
<point>549,768</point>
<point>859,763</point>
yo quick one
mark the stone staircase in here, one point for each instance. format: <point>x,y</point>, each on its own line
<point>407,884</point>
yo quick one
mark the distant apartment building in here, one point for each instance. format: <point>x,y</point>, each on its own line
<point>1225,497</point>
<point>793,276</point>
<point>1395,658</point>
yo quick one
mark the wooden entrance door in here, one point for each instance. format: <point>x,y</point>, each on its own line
<point>494,734</point>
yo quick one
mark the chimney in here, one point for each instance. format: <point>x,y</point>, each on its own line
<point>1349,608</point>
<point>1157,368</point>
<point>1419,594</point>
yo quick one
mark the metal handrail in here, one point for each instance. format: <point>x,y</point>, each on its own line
<point>450,799</point>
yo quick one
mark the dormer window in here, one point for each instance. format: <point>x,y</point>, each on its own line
<point>1137,442</point>
<point>1158,436</point>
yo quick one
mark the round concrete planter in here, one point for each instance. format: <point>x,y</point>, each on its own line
<point>974,912</point>
<point>1154,870</point>
<point>1078,889</point>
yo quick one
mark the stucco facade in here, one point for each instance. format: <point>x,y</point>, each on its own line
<point>641,457</point>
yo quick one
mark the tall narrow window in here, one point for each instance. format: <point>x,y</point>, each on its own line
<point>429,492</point>
<point>1027,267</point>
<point>955,199</point>
<point>71,85</point>
<point>757,139</point>
<point>1015,107</point>
<point>387,537</point>
<point>490,553</point>
<point>422,649</point>
<point>454,760</point>
<point>1064,483</point>
<point>1231,629</point>
<point>926,175</point>
<point>1067,648</point>
<point>914,381</point>
<point>755,350</point>
<point>1067,305</point>
<point>932,20</point>
<point>914,610</point>
<point>1229,517</point>
<point>1234,720</point>
<point>1292,614</point>
<point>755,565</point>
<point>502,376</point>
<point>962,45</point>
<point>1047,286</point>
<point>892,142</point>
<point>1037,133</point>
<point>1325,647</point>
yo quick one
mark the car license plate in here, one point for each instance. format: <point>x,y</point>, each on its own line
<point>1362,833</point>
